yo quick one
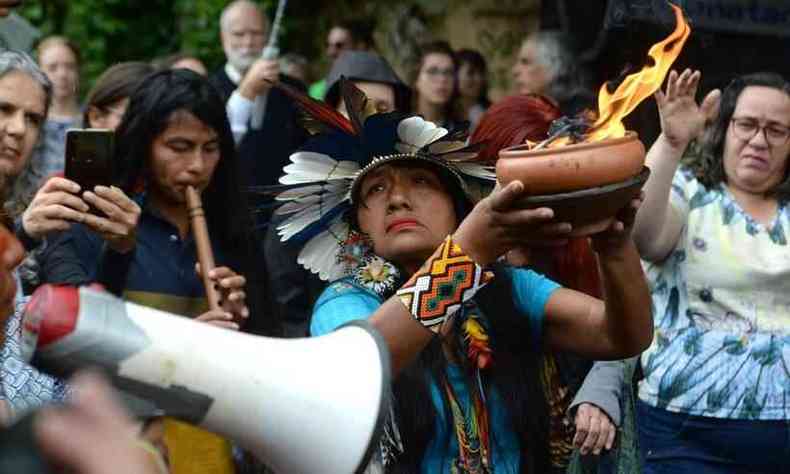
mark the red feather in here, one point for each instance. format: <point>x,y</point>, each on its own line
<point>318,110</point>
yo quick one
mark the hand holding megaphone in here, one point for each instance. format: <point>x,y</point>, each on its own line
<point>300,405</point>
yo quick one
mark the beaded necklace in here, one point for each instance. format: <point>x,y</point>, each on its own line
<point>471,329</point>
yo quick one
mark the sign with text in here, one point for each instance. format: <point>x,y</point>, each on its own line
<point>766,17</point>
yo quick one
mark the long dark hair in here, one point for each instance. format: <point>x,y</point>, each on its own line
<point>709,168</point>
<point>116,83</point>
<point>515,375</point>
<point>476,62</point>
<point>151,107</point>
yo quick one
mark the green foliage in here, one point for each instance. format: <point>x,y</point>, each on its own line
<point>110,31</point>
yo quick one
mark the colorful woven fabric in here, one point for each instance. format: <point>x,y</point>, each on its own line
<point>444,282</point>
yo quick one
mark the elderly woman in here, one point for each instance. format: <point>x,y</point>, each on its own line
<point>385,207</point>
<point>716,376</point>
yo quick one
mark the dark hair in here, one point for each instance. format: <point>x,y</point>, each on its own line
<point>167,62</point>
<point>516,376</point>
<point>709,168</point>
<point>116,83</point>
<point>151,107</point>
<point>476,62</point>
<point>451,109</point>
<point>361,31</point>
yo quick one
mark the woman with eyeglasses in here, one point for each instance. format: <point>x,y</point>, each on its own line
<point>435,87</point>
<point>714,233</point>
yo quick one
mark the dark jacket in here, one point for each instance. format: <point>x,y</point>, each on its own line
<point>264,152</point>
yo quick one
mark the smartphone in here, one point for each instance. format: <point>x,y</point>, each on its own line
<point>89,157</point>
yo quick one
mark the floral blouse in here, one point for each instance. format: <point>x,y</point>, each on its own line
<point>721,309</point>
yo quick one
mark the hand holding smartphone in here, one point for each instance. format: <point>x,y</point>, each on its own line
<point>89,157</point>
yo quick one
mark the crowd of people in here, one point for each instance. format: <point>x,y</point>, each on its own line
<point>661,344</point>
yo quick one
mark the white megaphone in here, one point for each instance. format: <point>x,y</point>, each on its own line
<point>300,405</point>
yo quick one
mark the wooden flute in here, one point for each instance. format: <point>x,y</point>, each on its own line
<point>197,220</point>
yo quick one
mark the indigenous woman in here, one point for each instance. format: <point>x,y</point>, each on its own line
<point>386,208</point>
<point>593,401</point>
<point>714,235</point>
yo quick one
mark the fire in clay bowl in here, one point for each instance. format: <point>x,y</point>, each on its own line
<point>585,184</point>
<point>588,169</point>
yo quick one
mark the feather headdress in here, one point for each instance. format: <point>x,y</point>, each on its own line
<point>321,183</point>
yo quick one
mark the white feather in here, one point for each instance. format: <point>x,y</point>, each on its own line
<point>320,254</point>
<point>416,132</point>
<point>477,170</point>
<point>297,205</point>
<point>310,167</point>
<point>332,187</point>
<point>300,192</point>
<point>297,222</point>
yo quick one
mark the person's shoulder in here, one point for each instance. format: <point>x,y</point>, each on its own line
<point>346,289</point>
<point>342,301</point>
<point>220,80</point>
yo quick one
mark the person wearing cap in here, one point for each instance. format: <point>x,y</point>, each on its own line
<point>374,76</point>
<point>384,204</point>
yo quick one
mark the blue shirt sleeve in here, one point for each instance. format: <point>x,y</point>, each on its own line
<point>531,292</point>
<point>339,304</point>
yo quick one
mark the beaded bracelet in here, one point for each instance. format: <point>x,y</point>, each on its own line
<point>442,285</point>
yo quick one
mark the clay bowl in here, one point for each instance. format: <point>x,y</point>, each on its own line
<point>585,184</point>
<point>572,167</point>
<point>589,210</point>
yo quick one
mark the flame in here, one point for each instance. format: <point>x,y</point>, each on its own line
<point>614,107</point>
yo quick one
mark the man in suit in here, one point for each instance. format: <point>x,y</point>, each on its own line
<point>263,119</point>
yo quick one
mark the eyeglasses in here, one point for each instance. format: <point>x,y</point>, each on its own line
<point>745,129</point>
<point>435,71</point>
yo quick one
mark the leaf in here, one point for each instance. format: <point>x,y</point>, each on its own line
<point>751,406</point>
<point>777,234</point>
<point>735,345</point>
<point>673,307</point>
<point>766,352</point>
<point>701,198</point>
<point>727,212</point>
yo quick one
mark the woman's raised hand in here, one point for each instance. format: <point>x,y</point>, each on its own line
<point>497,224</point>
<point>682,120</point>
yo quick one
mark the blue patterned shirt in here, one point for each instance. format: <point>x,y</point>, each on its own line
<point>345,301</point>
<point>21,385</point>
<point>721,309</point>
